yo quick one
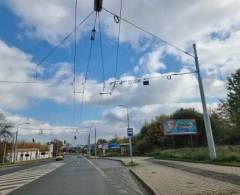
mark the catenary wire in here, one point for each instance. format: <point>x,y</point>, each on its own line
<point>87,68</point>
<point>118,41</point>
<point>61,42</point>
<point>149,33</point>
<point>74,63</point>
<point>101,50</point>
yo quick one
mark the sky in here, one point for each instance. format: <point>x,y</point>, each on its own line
<point>30,29</point>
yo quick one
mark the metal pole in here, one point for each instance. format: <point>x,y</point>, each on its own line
<point>89,144</point>
<point>95,143</point>
<point>207,123</point>
<point>4,152</point>
<point>15,146</point>
<point>130,137</point>
<point>12,152</point>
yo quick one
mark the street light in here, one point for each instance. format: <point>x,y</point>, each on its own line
<point>128,128</point>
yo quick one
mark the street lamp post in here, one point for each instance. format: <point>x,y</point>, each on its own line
<point>128,127</point>
<point>16,138</point>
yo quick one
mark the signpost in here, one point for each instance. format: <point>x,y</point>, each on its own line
<point>130,132</point>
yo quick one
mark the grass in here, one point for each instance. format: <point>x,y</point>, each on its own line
<point>131,164</point>
<point>226,155</point>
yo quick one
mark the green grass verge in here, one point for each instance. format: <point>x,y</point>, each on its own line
<point>132,164</point>
<point>226,155</point>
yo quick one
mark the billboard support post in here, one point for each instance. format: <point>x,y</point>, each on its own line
<point>191,140</point>
<point>207,123</point>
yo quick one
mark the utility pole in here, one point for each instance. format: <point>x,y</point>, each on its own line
<point>4,152</point>
<point>207,123</point>
<point>129,137</point>
<point>89,152</point>
<point>15,146</point>
<point>95,143</point>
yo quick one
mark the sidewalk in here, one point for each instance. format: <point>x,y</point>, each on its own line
<point>168,177</point>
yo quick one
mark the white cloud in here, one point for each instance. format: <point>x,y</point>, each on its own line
<point>180,23</point>
<point>151,62</point>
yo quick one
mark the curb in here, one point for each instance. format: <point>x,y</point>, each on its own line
<point>149,189</point>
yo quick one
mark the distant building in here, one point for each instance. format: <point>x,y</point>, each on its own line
<point>25,154</point>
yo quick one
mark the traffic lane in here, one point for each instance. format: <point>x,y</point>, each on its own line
<point>78,176</point>
<point>119,176</point>
<point>8,170</point>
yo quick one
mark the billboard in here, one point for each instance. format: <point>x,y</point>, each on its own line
<point>114,146</point>
<point>180,127</point>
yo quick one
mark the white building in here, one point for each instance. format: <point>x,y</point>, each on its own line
<point>25,154</point>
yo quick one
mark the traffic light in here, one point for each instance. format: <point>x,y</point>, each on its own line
<point>33,140</point>
<point>75,137</point>
<point>64,141</point>
<point>146,82</point>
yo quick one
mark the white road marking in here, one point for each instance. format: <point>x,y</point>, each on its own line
<point>13,181</point>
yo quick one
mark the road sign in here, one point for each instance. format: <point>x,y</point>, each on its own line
<point>114,146</point>
<point>180,127</point>
<point>130,132</point>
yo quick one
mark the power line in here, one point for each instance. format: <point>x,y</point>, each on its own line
<point>101,50</point>
<point>138,80</point>
<point>149,33</point>
<point>74,62</point>
<point>61,42</point>
<point>118,40</point>
<point>18,82</point>
<point>93,33</point>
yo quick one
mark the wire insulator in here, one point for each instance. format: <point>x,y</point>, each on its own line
<point>169,77</point>
<point>93,34</point>
<point>98,5</point>
<point>116,19</point>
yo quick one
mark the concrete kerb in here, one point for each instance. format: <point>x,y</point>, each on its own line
<point>146,186</point>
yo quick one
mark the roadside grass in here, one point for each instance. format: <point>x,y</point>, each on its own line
<point>132,164</point>
<point>226,155</point>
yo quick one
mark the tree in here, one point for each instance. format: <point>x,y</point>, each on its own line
<point>233,97</point>
<point>4,124</point>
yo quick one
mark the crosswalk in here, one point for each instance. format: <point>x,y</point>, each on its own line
<point>13,181</point>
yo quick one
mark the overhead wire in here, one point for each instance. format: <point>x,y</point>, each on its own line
<point>93,33</point>
<point>61,42</point>
<point>118,21</point>
<point>74,63</point>
<point>149,33</point>
<point>101,50</point>
<point>168,76</point>
<point>47,56</point>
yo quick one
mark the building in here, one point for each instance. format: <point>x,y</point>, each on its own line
<point>25,154</point>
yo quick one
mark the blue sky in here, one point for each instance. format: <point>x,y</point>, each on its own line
<point>30,29</point>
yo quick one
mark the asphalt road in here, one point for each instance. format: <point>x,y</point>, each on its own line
<point>73,176</point>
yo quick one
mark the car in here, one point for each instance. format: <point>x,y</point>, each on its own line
<point>59,157</point>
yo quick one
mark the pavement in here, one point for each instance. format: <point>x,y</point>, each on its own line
<point>73,176</point>
<point>183,178</point>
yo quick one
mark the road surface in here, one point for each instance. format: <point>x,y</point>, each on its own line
<point>73,176</point>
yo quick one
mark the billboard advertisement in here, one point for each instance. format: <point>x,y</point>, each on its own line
<point>180,127</point>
